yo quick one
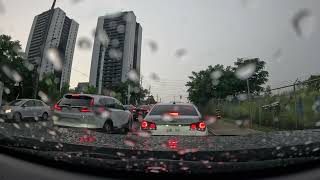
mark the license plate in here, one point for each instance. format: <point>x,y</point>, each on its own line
<point>173,130</point>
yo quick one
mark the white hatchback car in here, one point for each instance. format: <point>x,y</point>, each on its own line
<point>178,119</point>
<point>92,112</point>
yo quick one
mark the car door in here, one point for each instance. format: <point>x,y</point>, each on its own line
<point>39,108</point>
<point>27,109</point>
<point>118,115</point>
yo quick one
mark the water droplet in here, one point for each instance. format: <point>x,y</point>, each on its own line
<point>103,37</point>
<point>166,118</point>
<point>278,147</point>
<point>115,43</point>
<point>84,43</point>
<point>16,125</point>
<point>277,55</point>
<point>318,123</point>
<point>16,76</point>
<point>276,119</point>
<point>105,114</point>
<point>76,1</point>
<point>245,71</point>
<point>154,77</point>
<point>54,57</point>
<point>153,46</point>
<point>304,23</point>
<point>136,90</point>
<point>215,75</point>
<point>130,142</point>
<point>44,124</point>
<point>143,134</point>
<point>242,97</point>
<point>2,120</point>
<point>43,96</point>
<point>115,54</point>
<point>27,125</point>
<point>51,132</point>
<point>180,53</point>
<point>121,29</point>
<point>133,76</point>
<point>315,149</point>
<point>308,142</point>
<point>120,154</point>
<point>2,8</point>
<point>251,4</point>
<point>7,90</point>
<point>239,122</point>
<point>215,82</point>
<point>55,118</point>
<point>42,139</point>
<point>28,65</point>
<point>184,168</point>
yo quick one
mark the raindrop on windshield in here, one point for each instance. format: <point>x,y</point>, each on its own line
<point>180,53</point>
<point>7,90</point>
<point>133,76</point>
<point>51,132</point>
<point>76,1</point>
<point>27,125</point>
<point>105,114</point>
<point>136,90</point>
<point>53,56</point>
<point>166,118</point>
<point>153,46</point>
<point>129,142</point>
<point>245,71</point>
<point>28,65</point>
<point>121,29</point>
<point>251,4</point>
<point>143,134</point>
<point>16,76</point>
<point>318,124</point>
<point>115,43</point>
<point>43,96</point>
<point>304,23</point>
<point>84,43</point>
<point>115,54</point>
<point>2,120</point>
<point>42,139</point>
<point>216,74</point>
<point>103,37</point>
<point>2,8</point>
<point>16,125</point>
<point>242,97</point>
<point>154,77</point>
<point>277,55</point>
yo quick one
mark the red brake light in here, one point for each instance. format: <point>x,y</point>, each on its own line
<point>202,125</point>
<point>57,107</point>
<point>174,114</point>
<point>193,126</point>
<point>85,110</point>
<point>153,126</point>
<point>144,124</point>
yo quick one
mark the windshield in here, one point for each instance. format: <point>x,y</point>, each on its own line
<point>16,103</point>
<point>119,75</point>
<point>179,110</point>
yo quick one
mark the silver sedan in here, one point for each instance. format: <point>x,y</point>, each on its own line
<point>178,119</point>
<point>25,108</point>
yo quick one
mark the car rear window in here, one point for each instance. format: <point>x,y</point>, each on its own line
<point>71,100</point>
<point>182,110</point>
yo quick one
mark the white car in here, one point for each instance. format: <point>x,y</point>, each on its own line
<point>92,112</point>
<point>178,119</point>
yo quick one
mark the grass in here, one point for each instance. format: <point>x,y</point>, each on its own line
<point>285,118</point>
<point>254,126</point>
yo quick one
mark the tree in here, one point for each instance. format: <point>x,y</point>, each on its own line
<point>15,70</point>
<point>268,91</point>
<point>314,82</point>
<point>218,82</point>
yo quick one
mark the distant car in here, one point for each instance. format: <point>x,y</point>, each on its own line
<point>174,119</point>
<point>25,108</point>
<point>92,112</point>
<point>142,111</point>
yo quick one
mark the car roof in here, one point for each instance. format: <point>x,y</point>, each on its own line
<point>95,96</point>
<point>178,103</point>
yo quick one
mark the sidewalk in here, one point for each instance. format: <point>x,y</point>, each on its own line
<point>223,128</point>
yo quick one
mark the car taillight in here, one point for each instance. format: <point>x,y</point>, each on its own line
<point>200,126</point>
<point>145,125</point>
<point>57,107</point>
<point>174,114</point>
<point>85,110</point>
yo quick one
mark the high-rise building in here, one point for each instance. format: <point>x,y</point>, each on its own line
<point>113,61</point>
<point>53,30</point>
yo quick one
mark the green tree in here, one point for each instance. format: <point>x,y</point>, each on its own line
<point>314,82</point>
<point>15,70</point>
<point>218,82</point>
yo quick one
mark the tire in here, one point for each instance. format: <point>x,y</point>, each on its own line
<point>108,127</point>
<point>45,116</point>
<point>17,117</point>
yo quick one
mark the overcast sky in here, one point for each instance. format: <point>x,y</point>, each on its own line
<point>211,31</point>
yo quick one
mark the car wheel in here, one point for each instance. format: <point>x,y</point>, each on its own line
<point>108,127</point>
<point>45,116</point>
<point>17,117</point>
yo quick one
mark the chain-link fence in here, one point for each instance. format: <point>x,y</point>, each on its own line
<point>296,106</point>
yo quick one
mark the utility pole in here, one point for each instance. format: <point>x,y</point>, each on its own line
<point>1,92</point>
<point>249,98</point>
<point>42,48</point>
<point>141,79</point>
<point>157,98</point>
<point>295,104</point>
<point>129,94</point>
